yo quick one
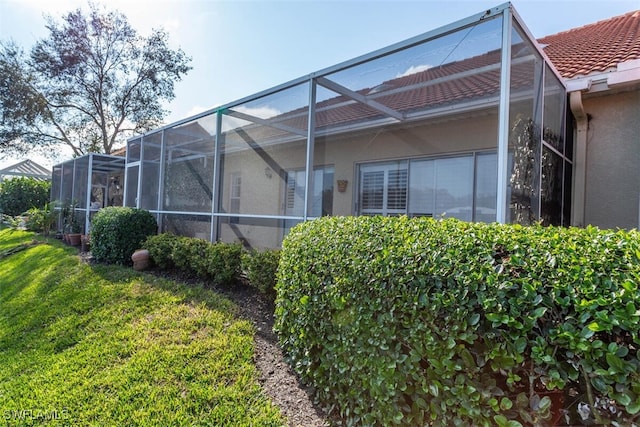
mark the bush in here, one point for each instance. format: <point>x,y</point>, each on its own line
<point>219,262</point>
<point>116,232</point>
<point>223,262</point>
<point>418,321</point>
<point>160,247</point>
<point>41,220</point>
<point>261,269</point>
<point>18,195</point>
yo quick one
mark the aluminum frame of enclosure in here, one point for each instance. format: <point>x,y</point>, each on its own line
<point>93,181</point>
<point>250,169</point>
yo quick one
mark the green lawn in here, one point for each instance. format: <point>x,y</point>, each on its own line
<point>104,345</point>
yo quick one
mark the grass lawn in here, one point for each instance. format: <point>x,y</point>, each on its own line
<point>104,345</point>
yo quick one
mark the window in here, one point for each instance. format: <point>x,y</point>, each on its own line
<point>234,196</point>
<point>462,187</point>
<point>442,187</point>
<point>383,189</point>
<point>322,202</point>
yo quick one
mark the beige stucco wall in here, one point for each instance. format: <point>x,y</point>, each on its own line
<point>456,136</point>
<point>613,160</point>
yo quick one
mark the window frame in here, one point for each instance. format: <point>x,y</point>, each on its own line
<point>384,165</point>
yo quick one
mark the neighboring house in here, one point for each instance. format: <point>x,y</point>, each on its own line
<point>26,168</point>
<point>471,120</point>
<point>600,63</point>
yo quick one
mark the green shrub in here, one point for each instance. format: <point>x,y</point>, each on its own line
<point>418,321</point>
<point>18,195</point>
<point>219,262</point>
<point>261,269</point>
<point>116,232</point>
<point>189,253</point>
<point>41,220</point>
<point>223,262</point>
<point>160,247</point>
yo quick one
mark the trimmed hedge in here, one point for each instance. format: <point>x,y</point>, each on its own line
<point>116,233</point>
<point>261,268</point>
<point>418,321</point>
<point>160,247</point>
<point>219,262</point>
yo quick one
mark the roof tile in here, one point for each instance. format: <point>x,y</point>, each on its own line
<point>596,47</point>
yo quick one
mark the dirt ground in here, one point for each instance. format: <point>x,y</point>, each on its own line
<point>276,377</point>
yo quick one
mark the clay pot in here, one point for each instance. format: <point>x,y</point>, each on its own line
<point>141,259</point>
<point>74,239</point>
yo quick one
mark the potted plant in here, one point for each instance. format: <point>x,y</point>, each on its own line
<point>72,227</point>
<point>75,233</point>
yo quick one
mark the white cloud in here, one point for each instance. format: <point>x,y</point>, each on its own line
<point>414,69</point>
<point>143,15</point>
<point>265,112</point>
<point>196,109</point>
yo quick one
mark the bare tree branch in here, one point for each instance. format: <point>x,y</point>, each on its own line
<point>82,84</point>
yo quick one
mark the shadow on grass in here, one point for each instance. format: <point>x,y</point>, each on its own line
<point>193,292</point>
<point>239,299</point>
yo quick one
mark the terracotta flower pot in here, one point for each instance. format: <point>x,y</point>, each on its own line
<point>74,239</point>
<point>140,259</point>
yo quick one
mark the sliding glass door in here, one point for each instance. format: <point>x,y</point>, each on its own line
<point>462,187</point>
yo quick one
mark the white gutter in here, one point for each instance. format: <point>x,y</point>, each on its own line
<point>579,159</point>
<point>625,74</point>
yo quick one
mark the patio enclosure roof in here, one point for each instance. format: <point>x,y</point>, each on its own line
<point>478,94</point>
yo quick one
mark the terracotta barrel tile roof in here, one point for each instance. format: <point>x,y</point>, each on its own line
<point>596,47</point>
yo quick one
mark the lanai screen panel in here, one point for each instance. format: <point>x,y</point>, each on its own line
<point>80,181</point>
<point>555,97</point>
<point>263,150</point>
<point>189,166</point>
<point>132,172</point>
<point>106,180</point>
<point>150,162</point>
<point>555,189</point>
<point>131,182</point>
<point>525,121</point>
<point>414,131</point>
<point>198,226</point>
<point>133,150</point>
<point>457,71</point>
<point>56,182</point>
<point>67,182</point>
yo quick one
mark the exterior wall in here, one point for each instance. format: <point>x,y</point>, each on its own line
<point>613,160</point>
<point>459,136</point>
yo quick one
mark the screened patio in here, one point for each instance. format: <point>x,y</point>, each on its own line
<point>87,184</point>
<point>465,121</point>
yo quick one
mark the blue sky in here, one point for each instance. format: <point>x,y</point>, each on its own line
<point>242,47</point>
